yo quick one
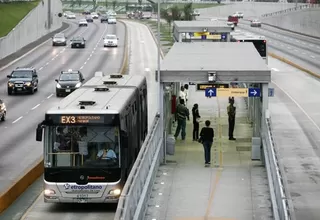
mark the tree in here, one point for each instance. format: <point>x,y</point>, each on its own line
<point>114,4</point>
<point>176,13</point>
<point>94,2</point>
<point>79,2</point>
<point>106,3</point>
<point>188,12</point>
<point>127,5</point>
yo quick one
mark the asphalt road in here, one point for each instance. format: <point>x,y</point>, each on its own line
<point>296,129</point>
<point>18,148</point>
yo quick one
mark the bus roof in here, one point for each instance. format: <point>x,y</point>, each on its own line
<point>107,100</point>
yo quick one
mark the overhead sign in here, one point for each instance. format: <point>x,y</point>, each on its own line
<point>271,92</point>
<point>203,86</point>
<point>232,92</point>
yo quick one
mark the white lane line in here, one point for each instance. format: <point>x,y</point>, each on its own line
<point>53,58</point>
<point>313,57</point>
<point>297,41</point>
<point>41,68</point>
<point>85,63</point>
<point>296,50</point>
<point>15,121</point>
<point>303,43</point>
<point>303,53</point>
<point>310,45</point>
<point>282,45</point>
<point>81,67</point>
<point>275,69</point>
<point>318,47</point>
<point>289,48</point>
<point>147,69</point>
<point>299,106</point>
<point>47,64</point>
<point>35,107</point>
<point>49,96</point>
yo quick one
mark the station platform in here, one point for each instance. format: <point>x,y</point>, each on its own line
<point>233,188</point>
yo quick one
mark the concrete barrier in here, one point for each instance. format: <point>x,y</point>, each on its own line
<point>33,173</point>
<point>42,20</point>
<point>294,65</point>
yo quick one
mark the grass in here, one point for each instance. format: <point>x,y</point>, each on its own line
<point>12,13</point>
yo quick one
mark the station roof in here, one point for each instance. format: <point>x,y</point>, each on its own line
<point>232,61</point>
<point>198,26</point>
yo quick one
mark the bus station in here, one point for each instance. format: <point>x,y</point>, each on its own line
<point>212,31</point>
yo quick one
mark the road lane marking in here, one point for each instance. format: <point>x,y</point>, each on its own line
<point>147,69</point>
<point>81,67</point>
<point>35,107</point>
<point>41,68</point>
<point>312,56</point>
<point>275,69</point>
<point>49,96</point>
<point>299,106</point>
<point>18,119</point>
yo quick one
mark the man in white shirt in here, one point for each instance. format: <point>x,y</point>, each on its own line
<point>182,94</point>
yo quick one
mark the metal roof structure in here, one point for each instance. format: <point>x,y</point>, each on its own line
<point>199,26</point>
<point>231,61</point>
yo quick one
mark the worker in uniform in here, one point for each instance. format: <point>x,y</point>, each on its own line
<point>106,154</point>
<point>231,109</point>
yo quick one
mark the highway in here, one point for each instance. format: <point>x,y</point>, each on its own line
<point>302,50</point>
<point>18,148</point>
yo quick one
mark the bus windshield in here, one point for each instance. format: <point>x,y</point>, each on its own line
<point>82,146</point>
<point>260,45</point>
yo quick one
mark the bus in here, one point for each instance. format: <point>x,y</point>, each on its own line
<point>92,139</point>
<point>259,42</point>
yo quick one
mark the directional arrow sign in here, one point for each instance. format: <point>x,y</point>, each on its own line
<point>211,92</point>
<point>254,92</point>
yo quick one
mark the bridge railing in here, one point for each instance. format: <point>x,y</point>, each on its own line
<point>298,8</point>
<point>133,199</point>
<point>281,202</point>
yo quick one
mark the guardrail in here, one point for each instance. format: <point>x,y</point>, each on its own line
<point>298,8</point>
<point>281,202</point>
<point>135,194</point>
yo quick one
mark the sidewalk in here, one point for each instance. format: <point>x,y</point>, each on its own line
<point>233,188</point>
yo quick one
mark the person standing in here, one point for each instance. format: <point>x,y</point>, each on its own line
<point>196,120</point>
<point>231,118</point>
<point>182,94</point>
<point>186,92</point>
<point>182,114</point>
<point>206,138</point>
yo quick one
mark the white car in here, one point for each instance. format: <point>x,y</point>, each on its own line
<point>112,13</point>
<point>71,16</point>
<point>110,40</point>
<point>230,24</point>
<point>83,23</point>
<point>94,15</point>
<point>238,14</point>
<point>255,23</point>
<point>112,20</point>
<point>196,13</point>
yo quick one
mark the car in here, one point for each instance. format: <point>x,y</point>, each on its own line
<point>71,16</point>
<point>196,13</point>
<point>104,18</point>
<point>78,42</point>
<point>230,24</point>
<point>110,40</point>
<point>89,18</point>
<point>68,82</point>
<point>94,15</point>
<point>255,23</point>
<point>86,13</point>
<point>238,14</point>
<point>112,20</point>
<point>83,23</point>
<point>112,13</point>
<point>24,80</point>
<point>59,40</point>
<point>3,110</point>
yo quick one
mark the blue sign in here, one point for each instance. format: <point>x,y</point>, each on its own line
<point>203,37</point>
<point>254,92</point>
<point>211,92</point>
<point>223,36</point>
<point>271,92</point>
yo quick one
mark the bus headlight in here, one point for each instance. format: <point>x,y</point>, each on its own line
<point>115,192</point>
<point>49,192</point>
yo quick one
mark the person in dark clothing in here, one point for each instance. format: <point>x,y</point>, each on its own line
<point>231,118</point>
<point>182,114</point>
<point>196,120</point>
<point>206,138</point>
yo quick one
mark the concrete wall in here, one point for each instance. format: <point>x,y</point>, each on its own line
<point>306,21</point>
<point>35,25</point>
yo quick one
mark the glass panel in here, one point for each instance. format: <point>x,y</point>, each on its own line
<point>21,74</point>
<point>82,146</point>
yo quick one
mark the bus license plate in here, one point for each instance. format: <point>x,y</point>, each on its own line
<point>82,198</point>
<point>68,90</point>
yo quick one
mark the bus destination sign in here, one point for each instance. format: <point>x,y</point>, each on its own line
<point>204,86</point>
<point>81,119</point>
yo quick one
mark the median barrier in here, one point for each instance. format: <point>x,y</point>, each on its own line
<point>125,61</point>
<point>294,65</point>
<point>33,173</point>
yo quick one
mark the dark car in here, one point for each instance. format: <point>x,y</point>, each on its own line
<point>3,110</point>
<point>86,13</point>
<point>68,82</point>
<point>104,18</point>
<point>78,42</point>
<point>23,80</point>
<point>59,40</point>
<point>89,18</point>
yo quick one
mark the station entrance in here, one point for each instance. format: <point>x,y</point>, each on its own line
<point>218,71</point>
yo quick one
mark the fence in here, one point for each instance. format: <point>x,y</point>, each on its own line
<point>42,20</point>
<point>298,8</point>
<point>132,203</point>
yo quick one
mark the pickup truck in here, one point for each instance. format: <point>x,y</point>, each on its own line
<point>233,19</point>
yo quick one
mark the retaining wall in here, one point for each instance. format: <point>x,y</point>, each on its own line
<point>40,21</point>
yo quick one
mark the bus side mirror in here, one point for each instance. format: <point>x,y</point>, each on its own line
<point>39,133</point>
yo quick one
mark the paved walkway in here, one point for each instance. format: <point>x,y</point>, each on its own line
<point>233,188</point>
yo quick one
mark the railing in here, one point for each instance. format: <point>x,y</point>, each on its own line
<point>133,199</point>
<point>298,8</point>
<point>281,204</point>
